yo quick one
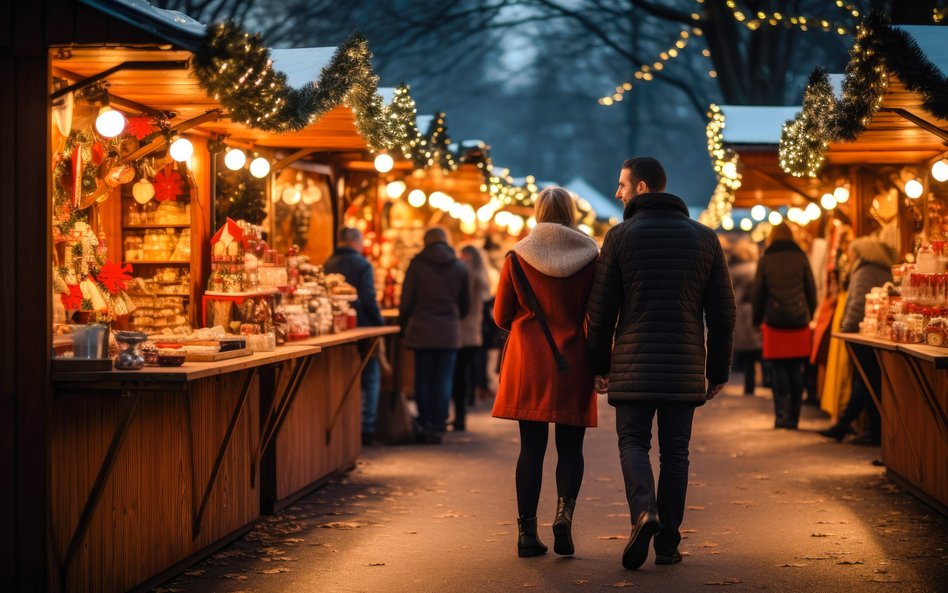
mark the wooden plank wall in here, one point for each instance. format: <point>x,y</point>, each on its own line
<point>913,446</point>
<point>143,524</point>
<point>302,455</point>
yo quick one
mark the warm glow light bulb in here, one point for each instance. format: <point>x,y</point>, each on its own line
<point>181,149</point>
<point>260,167</point>
<point>940,170</point>
<point>502,218</point>
<point>585,228</point>
<point>727,224</point>
<point>515,226</point>
<point>235,159</point>
<point>775,218</point>
<point>384,163</point>
<point>456,210</point>
<point>812,211</point>
<point>485,212</point>
<point>758,212</point>
<point>914,188</point>
<point>729,170</point>
<point>746,224</point>
<point>841,194</point>
<point>291,196</point>
<point>395,189</point>
<point>532,222</point>
<point>796,215</point>
<point>417,198</point>
<point>828,202</point>
<point>109,122</point>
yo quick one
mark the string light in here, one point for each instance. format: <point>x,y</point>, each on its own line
<point>940,170</point>
<point>726,168</point>
<point>757,20</point>
<point>645,73</point>
<point>759,212</point>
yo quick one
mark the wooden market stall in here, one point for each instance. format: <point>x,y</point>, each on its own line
<point>137,473</point>
<point>886,124</point>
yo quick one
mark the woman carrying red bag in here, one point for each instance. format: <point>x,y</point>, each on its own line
<point>784,301</point>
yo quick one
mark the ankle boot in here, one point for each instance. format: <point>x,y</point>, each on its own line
<point>528,542</point>
<point>563,527</point>
<point>837,432</point>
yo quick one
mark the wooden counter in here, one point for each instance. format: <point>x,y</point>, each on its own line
<point>913,403</point>
<point>151,470</point>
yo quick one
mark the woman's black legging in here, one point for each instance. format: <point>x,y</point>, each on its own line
<point>569,463</point>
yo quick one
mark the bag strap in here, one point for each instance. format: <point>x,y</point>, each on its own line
<point>537,311</point>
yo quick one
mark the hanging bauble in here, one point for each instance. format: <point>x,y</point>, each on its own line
<point>143,191</point>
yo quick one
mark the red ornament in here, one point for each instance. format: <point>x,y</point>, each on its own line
<point>98,153</point>
<point>72,300</point>
<point>114,277</point>
<point>168,184</point>
<point>139,127</point>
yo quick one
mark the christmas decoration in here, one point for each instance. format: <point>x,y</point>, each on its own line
<point>139,127</point>
<point>879,50</point>
<point>236,69</point>
<point>168,184</point>
<point>143,191</point>
<point>114,277</point>
<point>72,298</point>
<point>241,196</point>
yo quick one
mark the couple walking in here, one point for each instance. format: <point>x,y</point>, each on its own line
<point>630,321</point>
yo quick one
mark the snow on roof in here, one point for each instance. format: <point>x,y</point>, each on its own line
<point>604,207</point>
<point>754,124</point>
<point>302,65</point>
<point>933,41</point>
<point>170,25</point>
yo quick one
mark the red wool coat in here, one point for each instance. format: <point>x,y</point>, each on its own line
<point>531,387</point>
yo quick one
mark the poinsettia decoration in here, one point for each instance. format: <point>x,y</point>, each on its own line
<point>168,184</point>
<point>139,127</point>
<point>72,300</point>
<point>114,277</point>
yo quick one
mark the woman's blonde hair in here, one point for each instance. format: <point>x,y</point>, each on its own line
<point>555,204</point>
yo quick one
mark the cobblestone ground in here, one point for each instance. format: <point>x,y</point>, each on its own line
<point>768,511</point>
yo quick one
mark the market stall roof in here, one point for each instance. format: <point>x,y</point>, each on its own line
<point>755,124</point>
<point>905,69</point>
<point>178,91</point>
<point>605,208</point>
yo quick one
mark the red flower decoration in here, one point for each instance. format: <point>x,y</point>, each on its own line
<point>114,277</point>
<point>139,127</point>
<point>72,300</point>
<point>168,184</point>
<point>98,153</point>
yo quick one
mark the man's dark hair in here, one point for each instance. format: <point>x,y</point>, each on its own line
<point>349,234</point>
<point>647,169</point>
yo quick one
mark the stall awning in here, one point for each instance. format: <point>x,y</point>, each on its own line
<point>170,25</point>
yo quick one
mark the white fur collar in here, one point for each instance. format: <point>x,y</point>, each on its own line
<point>557,250</point>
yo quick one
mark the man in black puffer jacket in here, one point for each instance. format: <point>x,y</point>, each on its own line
<point>661,278</point>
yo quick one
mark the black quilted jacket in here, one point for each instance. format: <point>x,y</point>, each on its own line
<point>661,277</point>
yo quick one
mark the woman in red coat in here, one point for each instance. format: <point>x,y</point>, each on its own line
<point>559,263</point>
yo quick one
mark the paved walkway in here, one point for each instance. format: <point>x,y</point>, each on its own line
<point>768,511</point>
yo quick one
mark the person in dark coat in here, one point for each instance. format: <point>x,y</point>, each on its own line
<point>558,263</point>
<point>784,303</point>
<point>746,336</point>
<point>347,260</point>
<point>661,281</point>
<point>872,266</point>
<point>435,297</point>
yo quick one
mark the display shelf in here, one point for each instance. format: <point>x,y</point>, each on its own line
<point>180,225</point>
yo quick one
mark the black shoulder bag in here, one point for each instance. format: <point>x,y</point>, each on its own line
<point>537,311</point>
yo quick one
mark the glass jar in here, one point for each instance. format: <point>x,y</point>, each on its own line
<point>130,356</point>
<point>914,328</point>
<point>936,334</point>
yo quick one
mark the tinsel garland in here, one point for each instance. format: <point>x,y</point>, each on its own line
<point>879,49</point>
<point>236,69</point>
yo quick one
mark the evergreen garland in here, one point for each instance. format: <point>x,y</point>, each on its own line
<point>879,49</point>
<point>236,69</point>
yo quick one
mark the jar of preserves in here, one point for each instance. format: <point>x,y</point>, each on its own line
<point>935,332</point>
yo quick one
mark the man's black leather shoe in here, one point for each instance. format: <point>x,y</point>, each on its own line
<point>636,551</point>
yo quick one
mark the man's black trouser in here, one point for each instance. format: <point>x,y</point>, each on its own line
<point>634,427</point>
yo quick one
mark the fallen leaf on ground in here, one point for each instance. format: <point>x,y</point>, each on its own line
<point>746,503</point>
<point>814,557</point>
<point>708,544</point>
<point>603,479</point>
<point>791,565</point>
<point>821,534</point>
<point>688,531</point>
<point>593,498</point>
<point>850,562</point>
<point>529,584</point>
<point>376,564</point>
<point>731,581</point>
<point>621,584</point>
<point>236,577</point>
<point>194,573</point>
<point>276,570</point>
<point>581,582</point>
<point>411,532</point>
<point>884,580</point>
<point>293,540</point>
<point>612,537</point>
<point>449,515</point>
<point>695,507</point>
<point>490,541</point>
<point>341,525</point>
